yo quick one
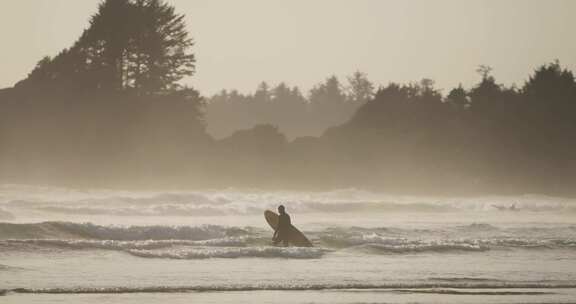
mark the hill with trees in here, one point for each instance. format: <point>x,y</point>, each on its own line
<point>110,107</point>
<point>110,111</point>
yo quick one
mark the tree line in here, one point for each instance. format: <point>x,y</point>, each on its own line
<point>110,111</point>
<point>491,137</point>
<point>412,138</point>
<point>327,104</point>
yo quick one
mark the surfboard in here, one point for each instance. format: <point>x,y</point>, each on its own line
<point>295,237</point>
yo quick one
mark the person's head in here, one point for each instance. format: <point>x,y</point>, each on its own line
<point>281,209</point>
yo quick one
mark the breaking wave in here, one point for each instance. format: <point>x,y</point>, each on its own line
<point>55,201</point>
<point>424,247</point>
<point>176,249</point>
<point>67,230</point>
<point>202,242</point>
<point>127,245</point>
<point>229,253</point>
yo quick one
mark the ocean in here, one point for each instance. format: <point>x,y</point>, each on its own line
<point>107,246</point>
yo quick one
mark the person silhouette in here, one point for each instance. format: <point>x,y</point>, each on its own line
<point>281,233</point>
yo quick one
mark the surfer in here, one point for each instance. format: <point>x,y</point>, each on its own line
<point>284,232</point>
<point>281,233</point>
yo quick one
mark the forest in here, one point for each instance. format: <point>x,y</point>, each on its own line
<point>111,111</point>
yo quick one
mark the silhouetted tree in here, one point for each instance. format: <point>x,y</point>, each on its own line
<point>327,94</point>
<point>328,104</point>
<point>148,54</point>
<point>287,106</point>
<point>547,135</point>
<point>551,89</point>
<point>487,96</point>
<point>360,88</point>
<point>458,98</point>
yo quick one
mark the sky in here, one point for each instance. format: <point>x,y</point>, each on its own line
<point>238,44</point>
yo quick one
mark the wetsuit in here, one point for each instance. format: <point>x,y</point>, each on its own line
<point>283,230</point>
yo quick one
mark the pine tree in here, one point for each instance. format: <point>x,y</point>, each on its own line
<point>360,88</point>
<point>131,45</point>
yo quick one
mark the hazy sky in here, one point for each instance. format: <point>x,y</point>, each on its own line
<point>240,43</point>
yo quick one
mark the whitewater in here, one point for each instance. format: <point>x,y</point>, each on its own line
<point>62,245</point>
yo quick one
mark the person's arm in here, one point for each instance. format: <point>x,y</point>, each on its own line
<point>275,234</point>
<point>280,226</point>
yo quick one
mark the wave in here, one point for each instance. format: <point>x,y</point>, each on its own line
<point>561,235</point>
<point>126,245</point>
<point>191,205</point>
<point>234,247</point>
<point>382,244</point>
<point>196,205</point>
<point>478,227</point>
<point>244,247</point>
<point>421,248</point>
<point>231,253</point>
<point>396,287</point>
<point>374,242</point>
<point>67,230</point>
<point>203,242</point>
<point>47,200</point>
